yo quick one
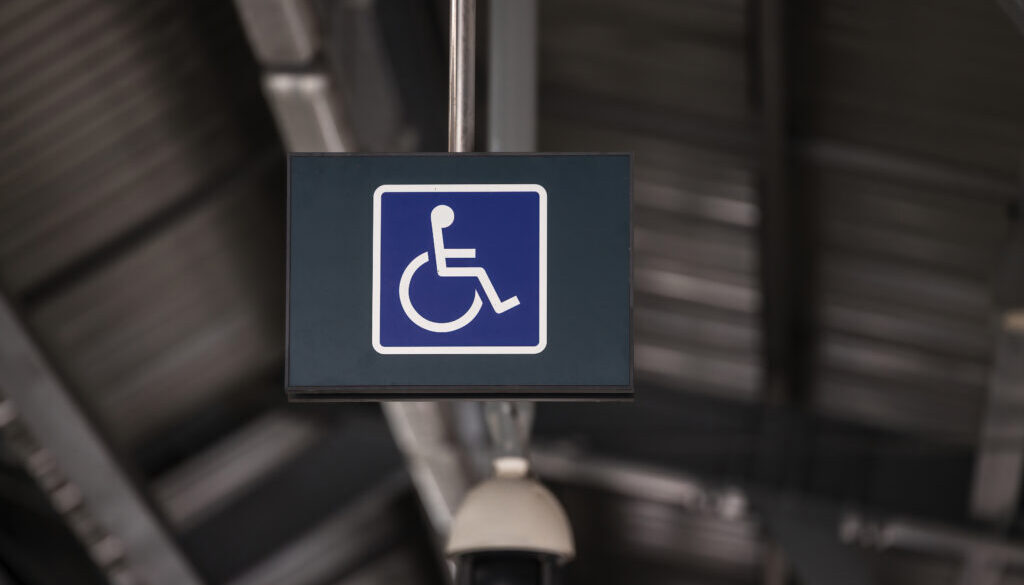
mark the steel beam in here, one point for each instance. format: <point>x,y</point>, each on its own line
<point>900,534</point>
<point>642,482</point>
<point>306,112</point>
<point>814,539</point>
<point>439,472</point>
<point>281,32</point>
<point>75,450</point>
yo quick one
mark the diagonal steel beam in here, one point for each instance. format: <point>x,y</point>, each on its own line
<point>73,448</point>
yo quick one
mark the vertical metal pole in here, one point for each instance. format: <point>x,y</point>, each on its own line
<point>461,76</point>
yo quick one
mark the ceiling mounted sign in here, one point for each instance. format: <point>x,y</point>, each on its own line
<point>459,276</point>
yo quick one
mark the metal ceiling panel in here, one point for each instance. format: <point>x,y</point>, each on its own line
<point>960,104</point>
<point>908,252</point>
<point>189,314</point>
<point>111,113</point>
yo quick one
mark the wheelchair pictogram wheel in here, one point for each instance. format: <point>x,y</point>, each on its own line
<point>420,320</point>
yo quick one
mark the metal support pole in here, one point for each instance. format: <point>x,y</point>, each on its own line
<point>461,76</point>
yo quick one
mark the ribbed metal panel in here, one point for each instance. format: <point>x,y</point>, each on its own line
<point>937,79</point>
<point>111,111</point>
<point>910,234</point>
<point>687,56</point>
<point>906,312</point>
<point>192,312</point>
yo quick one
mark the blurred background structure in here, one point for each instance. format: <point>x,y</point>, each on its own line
<point>829,271</point>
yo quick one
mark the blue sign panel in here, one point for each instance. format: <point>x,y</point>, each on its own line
<point>459,269</point>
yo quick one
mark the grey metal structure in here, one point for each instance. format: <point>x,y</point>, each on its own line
<point>131,534</point>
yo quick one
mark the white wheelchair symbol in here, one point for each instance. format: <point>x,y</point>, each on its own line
<point>441,217</point>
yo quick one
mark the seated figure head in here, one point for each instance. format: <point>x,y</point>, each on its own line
<point>442,216</point>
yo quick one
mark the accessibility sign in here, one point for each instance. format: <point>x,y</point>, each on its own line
<point>447,250</point>
<point>459,276</point>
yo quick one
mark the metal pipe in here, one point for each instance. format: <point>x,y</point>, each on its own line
<point>461,76</point>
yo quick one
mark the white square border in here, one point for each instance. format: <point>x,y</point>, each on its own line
<point>542,280</point>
